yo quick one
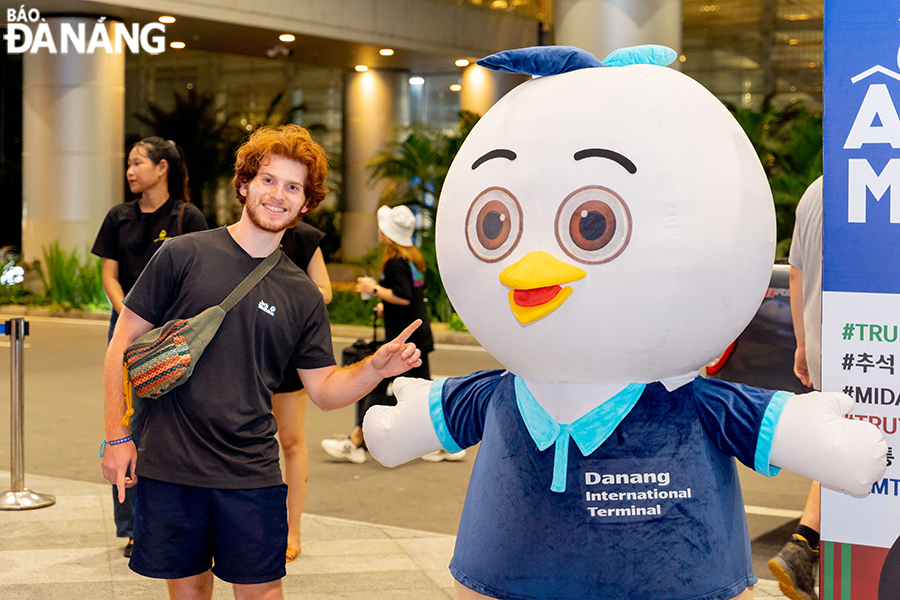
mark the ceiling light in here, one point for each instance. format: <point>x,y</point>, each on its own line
<point>287,37</point>
<point>177,45</point>
<point>166,19</point>
<point>416,81</point>
<point>455,87</point>
<point>361,68</point>
<point>386,52</point>
<point>462,62</point>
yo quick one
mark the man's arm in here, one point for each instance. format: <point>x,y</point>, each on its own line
<point>116,459</point>
<point>801,369</point>
<point>330,387</point>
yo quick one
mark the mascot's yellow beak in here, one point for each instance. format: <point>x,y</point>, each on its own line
<point>536,285</point>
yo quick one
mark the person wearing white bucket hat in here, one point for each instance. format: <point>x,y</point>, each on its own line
<point>401,291</point>
<point>397,224</point>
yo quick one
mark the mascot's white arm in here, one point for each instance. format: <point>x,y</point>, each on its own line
<point>814,439</point>
<point>397,434</point>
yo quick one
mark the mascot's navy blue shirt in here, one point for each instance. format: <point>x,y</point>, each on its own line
<point>646,504</point>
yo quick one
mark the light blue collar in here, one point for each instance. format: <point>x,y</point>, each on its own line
<point>588,431</point>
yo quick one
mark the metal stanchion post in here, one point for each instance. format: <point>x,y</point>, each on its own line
<point>20,497</point>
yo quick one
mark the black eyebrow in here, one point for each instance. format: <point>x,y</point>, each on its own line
<point>501,153</point>
<point>610,154</point>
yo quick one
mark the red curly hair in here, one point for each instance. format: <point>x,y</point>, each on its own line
<point>292,142</point>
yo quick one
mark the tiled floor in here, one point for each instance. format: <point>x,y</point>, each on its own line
<point>69,551</point>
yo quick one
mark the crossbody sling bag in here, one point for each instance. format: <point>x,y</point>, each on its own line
<point>165,357</point>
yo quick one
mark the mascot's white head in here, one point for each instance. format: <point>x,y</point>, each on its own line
<point>606,222</point>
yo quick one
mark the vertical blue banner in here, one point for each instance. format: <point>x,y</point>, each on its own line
<point>861,279</point>
<point>862,146</point>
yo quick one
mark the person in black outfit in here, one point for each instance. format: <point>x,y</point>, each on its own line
<point>301,245</point>
<point>402,294</point>
<point>129,236</point>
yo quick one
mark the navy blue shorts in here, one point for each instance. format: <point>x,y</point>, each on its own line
<point>178,529</point>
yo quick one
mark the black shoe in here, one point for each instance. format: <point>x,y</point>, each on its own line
<point>128,547</point>
<point>793,567</point>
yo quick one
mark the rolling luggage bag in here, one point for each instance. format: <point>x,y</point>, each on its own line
<point>356,352</point>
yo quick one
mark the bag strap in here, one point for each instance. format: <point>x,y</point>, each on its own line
<point>180,218</point>
<point>251,280</point>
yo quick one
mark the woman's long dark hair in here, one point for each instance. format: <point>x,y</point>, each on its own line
<point>158,149</point>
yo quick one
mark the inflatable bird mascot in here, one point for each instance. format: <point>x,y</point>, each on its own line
<point>606,230</point>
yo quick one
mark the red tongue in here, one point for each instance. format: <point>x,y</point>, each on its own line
<point>537,296</point>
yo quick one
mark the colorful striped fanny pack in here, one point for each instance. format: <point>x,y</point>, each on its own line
<point>165,357</point>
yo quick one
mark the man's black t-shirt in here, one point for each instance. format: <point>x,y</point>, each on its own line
<point>217,430</point>
<point>130,237</point>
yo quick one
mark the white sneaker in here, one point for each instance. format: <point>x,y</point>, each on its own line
<point>442,454</point>
<point>345,449</point>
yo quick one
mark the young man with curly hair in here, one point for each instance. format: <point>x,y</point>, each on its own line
<point>211,485</point>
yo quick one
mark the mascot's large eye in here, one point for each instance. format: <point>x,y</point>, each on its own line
<point>493,224</point>
<point>593,225</point>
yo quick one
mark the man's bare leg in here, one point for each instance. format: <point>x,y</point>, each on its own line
<point>197,587</point>
<point>259,591</point>
<point>812,517</point>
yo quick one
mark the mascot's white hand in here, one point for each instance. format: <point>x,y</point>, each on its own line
<point>397,434</point>
<point>814,439</point>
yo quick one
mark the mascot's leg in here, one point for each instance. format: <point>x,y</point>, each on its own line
<point>464,593</point>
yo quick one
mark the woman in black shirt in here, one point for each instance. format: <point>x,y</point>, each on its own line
<point>401,290</point>
<point>301,245</point>
<point>402,285</point>
<point>130,234</point>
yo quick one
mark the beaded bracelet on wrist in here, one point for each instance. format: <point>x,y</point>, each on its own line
<point>104,444</point>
